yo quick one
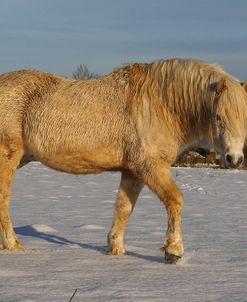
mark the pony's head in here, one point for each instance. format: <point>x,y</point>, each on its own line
<point>230,121</point>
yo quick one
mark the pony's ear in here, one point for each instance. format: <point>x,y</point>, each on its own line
<point>244,84</point>
<point>221,86</point>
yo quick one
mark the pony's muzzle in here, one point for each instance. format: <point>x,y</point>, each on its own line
<point>234,161</point>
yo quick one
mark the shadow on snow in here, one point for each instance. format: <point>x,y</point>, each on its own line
<point>32,232</point>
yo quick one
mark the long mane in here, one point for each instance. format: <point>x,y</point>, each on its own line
<point>185,89</point>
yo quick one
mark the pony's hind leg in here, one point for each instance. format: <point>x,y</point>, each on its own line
<point>129,190</point>
<point>160,181</point>
<point>10,155</point>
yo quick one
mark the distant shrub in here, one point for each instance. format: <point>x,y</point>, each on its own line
<point>83,73</point>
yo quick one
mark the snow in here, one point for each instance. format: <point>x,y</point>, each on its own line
<point>63,221</point>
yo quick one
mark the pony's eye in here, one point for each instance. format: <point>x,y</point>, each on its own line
<point>220,124</point>
<point>218,118</point>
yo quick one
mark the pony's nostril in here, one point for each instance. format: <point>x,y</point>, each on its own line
<point>229,158</point>
<point>240,161</point>
<point>234,161</point>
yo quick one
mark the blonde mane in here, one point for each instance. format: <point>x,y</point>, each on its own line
<point>186,91</point>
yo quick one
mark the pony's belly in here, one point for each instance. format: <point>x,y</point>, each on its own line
<point>78,164</point>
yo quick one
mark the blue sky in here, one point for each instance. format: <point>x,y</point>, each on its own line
<point>58,35</point>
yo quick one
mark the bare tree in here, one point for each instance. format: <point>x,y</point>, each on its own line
<point>83,73</point>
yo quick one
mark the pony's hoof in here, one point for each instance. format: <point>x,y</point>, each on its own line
<point>13,247</point>
<point>171,259</point>
<point>116,252</point>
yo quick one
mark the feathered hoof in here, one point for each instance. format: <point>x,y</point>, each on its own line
<point>171,259</point>
<point>12,247</point>
<point>116,252</point>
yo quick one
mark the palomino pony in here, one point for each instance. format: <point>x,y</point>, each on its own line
<point>135,120</point>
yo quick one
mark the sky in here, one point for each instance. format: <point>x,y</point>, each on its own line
<point>59,35</point>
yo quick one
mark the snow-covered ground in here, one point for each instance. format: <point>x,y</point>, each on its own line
<point>63,221</point>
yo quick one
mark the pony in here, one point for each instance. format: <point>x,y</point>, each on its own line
<point>135,120</point>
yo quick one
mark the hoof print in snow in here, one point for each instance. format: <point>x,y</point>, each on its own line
<point>171,259</point>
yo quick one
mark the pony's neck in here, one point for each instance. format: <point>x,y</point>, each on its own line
<point>188,133</point>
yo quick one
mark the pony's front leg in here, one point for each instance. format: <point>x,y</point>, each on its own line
<point>129,190</point>
<point>160,181</point>
<point>9,159</point>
